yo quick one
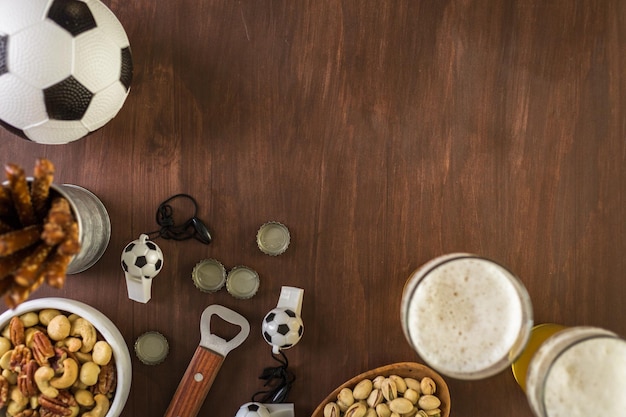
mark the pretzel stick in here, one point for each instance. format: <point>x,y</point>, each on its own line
<point>5,227</point>
<point>55,269</point>
<point>15,295</point>
<point>6,202</point>
<point>27,273</point>
<point>8,264</point>
<point>71,245</point>
<point>40,188</point>
<point>13,241</point>
<point>21,194</point>
<point>58,222</point>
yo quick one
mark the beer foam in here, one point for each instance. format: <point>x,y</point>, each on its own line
<point>588,379</point>
<point>465,317</point>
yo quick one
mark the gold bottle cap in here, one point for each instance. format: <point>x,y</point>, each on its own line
<point>273,238</point>
<point>209,275</point>
<point>151,348</point>
<point>242,282</point>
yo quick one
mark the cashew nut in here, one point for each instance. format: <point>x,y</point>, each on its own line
<point>101,408</point>
<point>5,360</point>
<point>30,319</point>
<point>81,327</point>
<point>10,376</point>
<point>84,398</point>
<point>73,344</point>
<point>48,314</point>
<point>28,336</point>
<point>59,328</point>
<point>70,374</point>
<point>89,373</point>
<point>17,403</point>
<point>5,345</point>
<point>43,375</point>
<point>102,353</point>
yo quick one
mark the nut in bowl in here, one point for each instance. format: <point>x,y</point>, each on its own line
<point>62,357</point>
<point>402,389</point>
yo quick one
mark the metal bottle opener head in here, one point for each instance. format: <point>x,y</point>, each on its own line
<point>215,343</point>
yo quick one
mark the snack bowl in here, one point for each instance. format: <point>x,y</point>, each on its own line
<point>102,324</point>
<point>401,369</point>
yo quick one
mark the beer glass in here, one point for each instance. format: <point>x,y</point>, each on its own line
<point>466,316</point>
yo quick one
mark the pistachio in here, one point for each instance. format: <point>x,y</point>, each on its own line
<point>375,398</point>
<point>413,383</point>
<point>411,413</point>
<point>435,412</point>
<point>345,398</point>
<point>411,395</point>
<point>395,414</point>
<point>389,389</point>
<point>371,413</point>
<point>422,413</point>
<point>377,382</point>
<point>383,410</point>
<point>428,402</point>
<point>331,410</point>
<point>362,390</point>
<point>400,405</point>
<point>428,386</point>
<point>356,410</point>
<point>400,384</point>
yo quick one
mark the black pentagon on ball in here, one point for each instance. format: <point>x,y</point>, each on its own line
<point>72,15</point>
<point>267,337</point>
<point>126,75</point>
<point>4,67</point>
<point>270,317</point>
<point>157,265</point>
<point>124,266</point>
<point>253,407</point>
<point>300,331</point>
<point>141,261</point>
<point>151,245</point>
<point>290,313</point>
<point>283,329</point>
<point>67,100</point>
<point>129,247</point>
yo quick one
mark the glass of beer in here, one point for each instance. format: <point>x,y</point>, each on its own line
<point>579,371</point>
<point>466,316</point>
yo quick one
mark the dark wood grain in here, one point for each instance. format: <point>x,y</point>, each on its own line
<point>382,134</point>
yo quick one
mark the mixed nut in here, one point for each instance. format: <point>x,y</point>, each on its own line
<point>55,364</point>
<point>387,396</point>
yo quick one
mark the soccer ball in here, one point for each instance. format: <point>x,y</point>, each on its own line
<point>65,68</point>
<point>253,410</point>
<point>142,258</point>
<point>282,328</point>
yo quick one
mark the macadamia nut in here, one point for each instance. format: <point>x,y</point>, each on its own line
<point>59,328</point>
<point>101,353</point>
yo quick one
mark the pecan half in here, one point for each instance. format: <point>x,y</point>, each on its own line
<point>26,379</point>
<point>42,348</point>
<point>107,380</point>
<point>16,331</point>
<point>4,391</point>
<point>59,406</point>
<point>28,413</point>
<point>20,357</point>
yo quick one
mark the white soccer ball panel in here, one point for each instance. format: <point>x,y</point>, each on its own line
<point>104,106</point>
<point>282,328</point>
<point>29,109</point>
<point>253,409</point>
<point>41,54</point>
<point>15,16</point>
<point>56,132</point>
<point>107,20</point>
<point>98,60</point>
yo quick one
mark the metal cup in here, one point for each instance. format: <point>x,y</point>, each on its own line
<point>94,225</point>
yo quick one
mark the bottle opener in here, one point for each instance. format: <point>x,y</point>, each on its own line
<point>206,362</point>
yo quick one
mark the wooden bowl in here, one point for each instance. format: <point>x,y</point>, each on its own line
<point>402,369</point>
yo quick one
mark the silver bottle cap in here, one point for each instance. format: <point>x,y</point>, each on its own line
<point>209,275</point>
<point>273,238</point>
<point>242,282</point>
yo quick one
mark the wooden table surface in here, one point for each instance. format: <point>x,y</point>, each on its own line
<point>382,134</point>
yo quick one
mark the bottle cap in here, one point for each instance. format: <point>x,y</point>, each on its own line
<point>209,275</point>
<point>273,238</point>
<point>242,282</point>
<point>151,348</point>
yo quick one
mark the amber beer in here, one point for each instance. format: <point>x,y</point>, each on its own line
<point>539,334</point>
<point>466,316</point>
<point>578,372</point>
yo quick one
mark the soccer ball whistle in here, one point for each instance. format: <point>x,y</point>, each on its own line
<point>282,327</point>
<point>141,261</point>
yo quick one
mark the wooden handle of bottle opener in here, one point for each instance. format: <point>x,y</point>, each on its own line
<point>195,385</point>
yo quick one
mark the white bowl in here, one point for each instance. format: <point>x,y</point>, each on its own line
<point>106,328</point>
